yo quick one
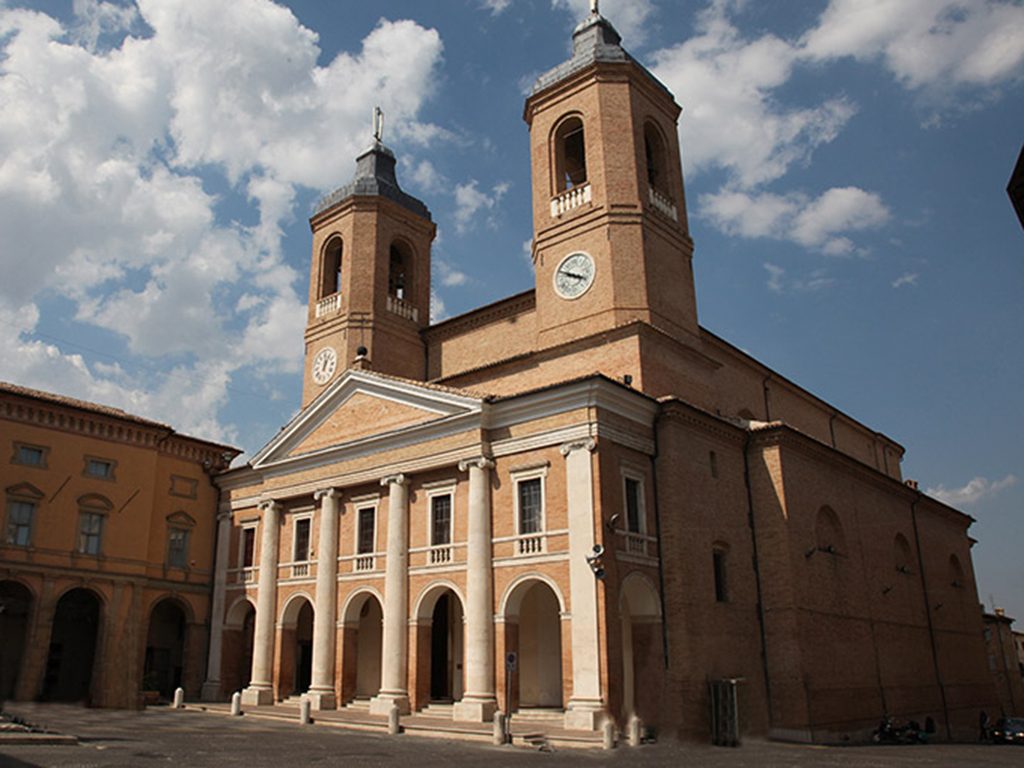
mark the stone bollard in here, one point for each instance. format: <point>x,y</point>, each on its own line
<point>499,729</point>
<point>634,731</point>
<point>304,708</point>
<point>608,734</point>
<point>236,704</point>
<point>179,698</point>
<point>394,727</point>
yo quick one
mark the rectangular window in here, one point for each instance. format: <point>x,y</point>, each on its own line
<point>530,505</point>
<point>721,584</point>
<point>90,530</point>
<point>440,520</point>
<point>99,468</point>
<point>248,547</point>
<point>634,506</point>
<point>19,523</point>
<point>301,550</point>
<point>365,544</point>
<point>177,547</point>
<point>30,455</point>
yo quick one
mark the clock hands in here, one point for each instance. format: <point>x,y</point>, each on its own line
<point>574,275</point>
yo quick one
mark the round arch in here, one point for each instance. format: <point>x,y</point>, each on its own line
<point>512,598</point>
<point>74,642</point>
<point>639,598</point>
<point>355,601</point>
<point>292,606</point>
<point>18,604</point>
<point>429,596</point>
<point>179,602</point>
<point>235,617</point>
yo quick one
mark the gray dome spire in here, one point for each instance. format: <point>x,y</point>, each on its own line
<point>375,176</point>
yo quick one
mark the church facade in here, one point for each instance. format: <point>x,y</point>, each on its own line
<point>577,501</point>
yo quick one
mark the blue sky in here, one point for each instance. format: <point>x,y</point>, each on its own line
<point>846,164</point>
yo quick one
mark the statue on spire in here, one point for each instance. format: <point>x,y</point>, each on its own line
<point>593,8</point>
<point>378,124</point>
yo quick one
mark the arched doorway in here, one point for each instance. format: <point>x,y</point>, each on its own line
<point>236,654</point>
<point>73,641</point>
<point>439,646</point>
<point>533,629</point>
<point>15,609</point>
<point>640,615</point>
<point>296,646</point>
<point>362,647</point>
<point>165,648</point>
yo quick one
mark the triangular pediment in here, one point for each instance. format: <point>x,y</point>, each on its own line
<point>363,408</point>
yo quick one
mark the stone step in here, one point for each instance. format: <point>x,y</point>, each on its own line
<point>358,704</point>
<point>438,709</point>
<point>539,715</point>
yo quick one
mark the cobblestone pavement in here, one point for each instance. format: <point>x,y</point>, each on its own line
<point>163,736</point>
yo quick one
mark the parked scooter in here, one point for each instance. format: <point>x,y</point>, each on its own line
<point>890,733</point>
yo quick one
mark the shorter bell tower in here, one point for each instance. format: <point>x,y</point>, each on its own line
<point>369,277</point>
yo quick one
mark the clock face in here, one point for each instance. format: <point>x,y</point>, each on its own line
<point>574,275</point>
<point>324,365</point>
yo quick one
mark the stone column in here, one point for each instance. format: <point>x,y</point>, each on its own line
<point>260,690</point>
<point>478,702</point>
<point>211,688</point>
<point>321,692</point>
<point>394,664</point>
<point>586,706</point>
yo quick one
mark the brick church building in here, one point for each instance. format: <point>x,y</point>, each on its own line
<point>577,502</point>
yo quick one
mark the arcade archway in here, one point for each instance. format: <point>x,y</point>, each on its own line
<point>165,648</point>
<point>73,642</point>
<point>15,609</point>
<point>533,630</point>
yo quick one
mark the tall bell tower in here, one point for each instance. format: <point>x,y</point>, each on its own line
<point>611,241</point>
<point>369,280</point>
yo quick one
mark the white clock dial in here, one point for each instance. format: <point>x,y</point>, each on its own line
<point>324,365</point>
<point>574,275</point>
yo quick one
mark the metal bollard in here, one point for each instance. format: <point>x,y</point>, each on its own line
<point>236,704</point>
<point>394,726</point>
<point>608,734</point>
<point>634,731</point>
<point>499,729</point>
<point>304,708</point>
<point>179,698</point>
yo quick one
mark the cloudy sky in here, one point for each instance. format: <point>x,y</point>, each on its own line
<point>846,163</point>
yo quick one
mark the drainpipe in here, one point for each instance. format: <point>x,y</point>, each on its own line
<point>928,617</point>
<point>757,573</point>
<point>764,392</point>
<point>657,533</point>
<point>832,427</point>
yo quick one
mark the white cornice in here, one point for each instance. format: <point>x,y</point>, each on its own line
<point>594,392</point>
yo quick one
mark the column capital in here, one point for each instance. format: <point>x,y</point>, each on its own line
<point>479,462</point>
<point>578,445</point>
<point>269,505</point>
<point>224,514</point>
<point>326,493</point>
<point>396,479</point>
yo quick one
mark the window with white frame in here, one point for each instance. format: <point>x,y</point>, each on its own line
<point>366,520</point>
<point>300,547</point>
<point>530,508</point>
<point>633,491</point>
<point>247,549</point>
<point>90,532</point>
<point>441,519</point>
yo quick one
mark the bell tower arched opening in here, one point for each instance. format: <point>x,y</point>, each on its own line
<point>570,151</point>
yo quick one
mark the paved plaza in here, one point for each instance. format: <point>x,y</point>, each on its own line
<point>162,736</point>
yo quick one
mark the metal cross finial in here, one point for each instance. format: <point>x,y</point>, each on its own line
<point>378,124</point>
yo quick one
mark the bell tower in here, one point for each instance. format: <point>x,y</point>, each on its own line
<point>369,278</point>
<point>611,241</point>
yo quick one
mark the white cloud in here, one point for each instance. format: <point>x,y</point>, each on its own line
<point>449,276</point>
<point>923,43</point>
<point>910,278</point>
<point>105,142</point>
<point>628,16</point>
<point>814,223</point>
<point>974,491</point>
<point>496,6</point>
<point>470,200</point>
<point>724,79</point>
<point>778,283</point>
